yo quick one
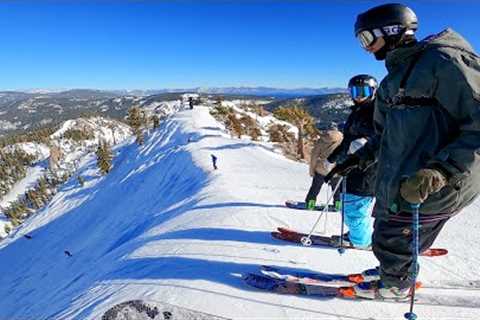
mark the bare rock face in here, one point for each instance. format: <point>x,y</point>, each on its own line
<point>142,310</point>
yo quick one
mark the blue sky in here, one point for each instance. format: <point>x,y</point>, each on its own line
<point>135,44</point>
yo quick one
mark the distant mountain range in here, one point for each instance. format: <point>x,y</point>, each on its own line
<point>245,91</point>
<point>273,92</point>
<point>22,111</point>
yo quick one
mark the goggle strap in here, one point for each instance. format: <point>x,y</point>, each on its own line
<point>378,33</point>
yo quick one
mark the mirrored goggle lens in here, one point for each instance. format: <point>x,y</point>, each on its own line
<point>361,91</point>
<point>366,38</point>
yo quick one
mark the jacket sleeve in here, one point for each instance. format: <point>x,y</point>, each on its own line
<point>458,91</point>
<point>340,152</point>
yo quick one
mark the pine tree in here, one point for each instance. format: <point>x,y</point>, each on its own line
<point>234,125</point>
<point>56,155</point>
<point>81,181</point>
<point>7,228</point>
<point>134,118</point>
<point>155,121</point>
<point>304,122</point>
<point>104,158</point>
<point>251,127</point>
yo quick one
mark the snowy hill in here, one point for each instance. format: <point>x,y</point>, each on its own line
<point>70,152</point>
<point>163,226</point>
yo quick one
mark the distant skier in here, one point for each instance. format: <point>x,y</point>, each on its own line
<point>190,102</point>
<point>357,130</point>
<point>319,166</point>
<point>428,112</point>
<point>214,161</point>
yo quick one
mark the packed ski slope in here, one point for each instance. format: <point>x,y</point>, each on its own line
<point>164,226</point>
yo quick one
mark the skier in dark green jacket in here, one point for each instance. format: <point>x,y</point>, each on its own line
<point>428,149</point>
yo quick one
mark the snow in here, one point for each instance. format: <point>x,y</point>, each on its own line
<point>39,151</point>
<point>6,125</point>
<point>164,226</point>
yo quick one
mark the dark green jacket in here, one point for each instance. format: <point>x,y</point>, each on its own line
<point>443,135</point>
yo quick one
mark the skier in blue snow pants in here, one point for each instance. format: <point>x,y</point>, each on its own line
<point>357,131</point>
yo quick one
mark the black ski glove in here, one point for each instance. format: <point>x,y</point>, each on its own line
<point>343,168</point>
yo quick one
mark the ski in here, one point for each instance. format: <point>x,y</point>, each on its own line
<point>427,296</point>
<point>284,286</point>
<point>325,241</point>
<point>317,278</point>
<point>288,287</point>
<point>299,205</point>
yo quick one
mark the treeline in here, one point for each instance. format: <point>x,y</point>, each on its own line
<point>41,135</point>
<point>33,199</point>
<point>13,167</point>
<point>294,113</point>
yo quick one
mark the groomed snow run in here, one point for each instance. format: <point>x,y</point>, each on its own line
<point>164,226</point>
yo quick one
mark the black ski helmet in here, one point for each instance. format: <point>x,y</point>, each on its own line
<point>362,85</point>
<point>363,80</point>
<point>392,14</point>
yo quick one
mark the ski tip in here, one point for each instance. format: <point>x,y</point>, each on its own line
<point>290,237</point>
<point>347,292</point>
<point>258,281</point>
<point>356,278</point>
<point>285,230</point>
<point>435,252</point>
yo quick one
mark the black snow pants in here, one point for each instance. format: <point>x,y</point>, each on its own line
<point>392,245</point>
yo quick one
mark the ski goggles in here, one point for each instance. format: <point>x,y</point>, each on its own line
<point>368,37</point>
<point>361,92</point>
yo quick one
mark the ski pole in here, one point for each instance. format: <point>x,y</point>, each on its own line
<point>416,213</point>
<point>341,250</point>
<point>325,222</point>
<point>306,240</point>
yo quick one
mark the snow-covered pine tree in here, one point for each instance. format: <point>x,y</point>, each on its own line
<point>104,157</point>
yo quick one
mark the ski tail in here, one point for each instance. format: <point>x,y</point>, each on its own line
<point>349,292</point>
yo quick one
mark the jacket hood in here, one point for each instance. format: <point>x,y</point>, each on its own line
<point>446,38</point>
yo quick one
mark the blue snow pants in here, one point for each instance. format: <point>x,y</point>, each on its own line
<point>358,219</point>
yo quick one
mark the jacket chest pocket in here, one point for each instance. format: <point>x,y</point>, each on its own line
<point>421,84</point>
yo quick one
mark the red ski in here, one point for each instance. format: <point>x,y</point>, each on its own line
<point>325,241</point>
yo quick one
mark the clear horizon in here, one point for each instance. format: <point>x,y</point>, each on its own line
<point>162,45</point>
<point>155,89</point>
